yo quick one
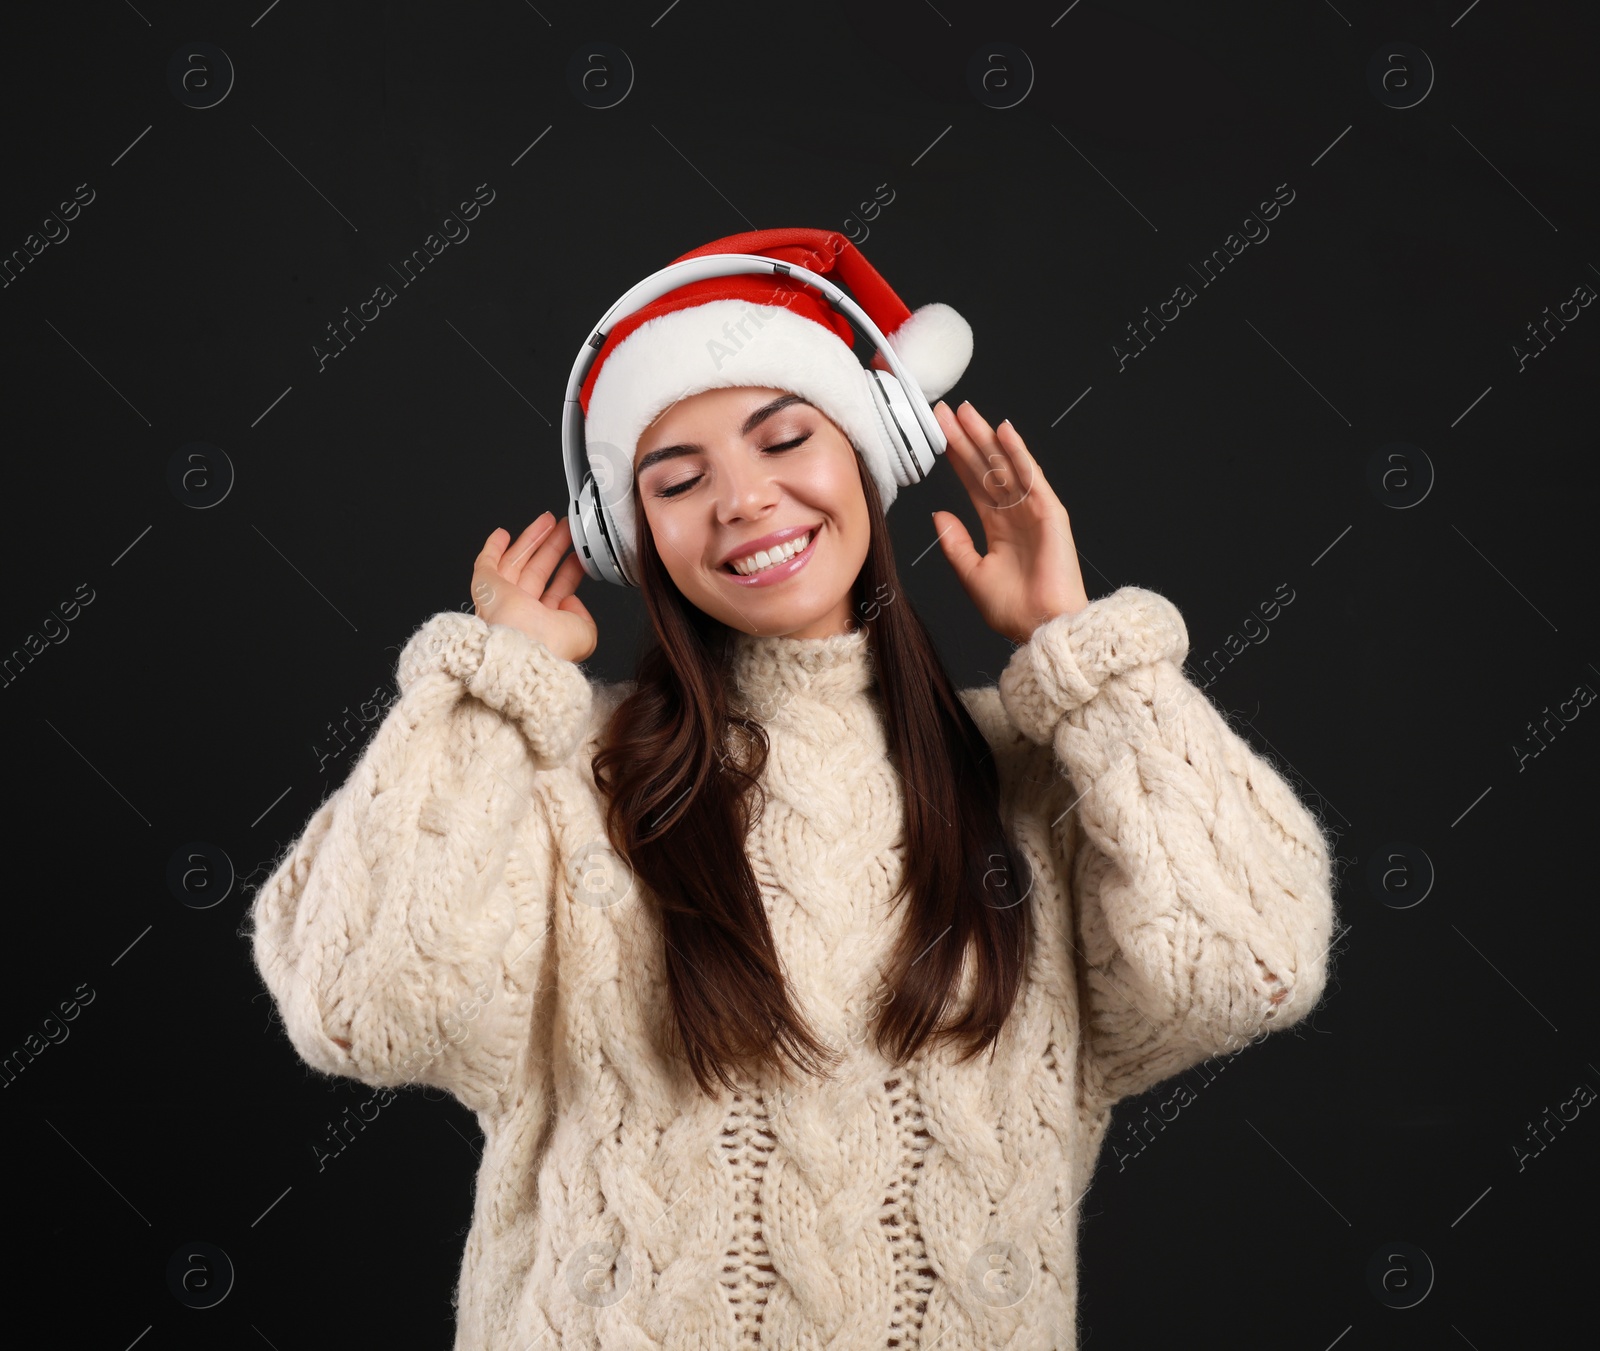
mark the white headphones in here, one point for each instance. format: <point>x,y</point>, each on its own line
<point>910,430</point>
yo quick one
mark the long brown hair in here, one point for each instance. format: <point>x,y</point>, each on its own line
<point>679,814</point>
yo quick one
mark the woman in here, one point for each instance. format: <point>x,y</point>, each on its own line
<point>792,989</point>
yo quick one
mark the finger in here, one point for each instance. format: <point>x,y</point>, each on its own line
<point>486,583</point>
<point>572,605</point>
<point>956,543</point>
<point>1004,478</point>
<point>965,458</point>
<point>1030,473</point>
<point>565,582</point>
<point>542,562</point>
<point>485,566</point>
<point>516,556</point>
<point>493,547</point>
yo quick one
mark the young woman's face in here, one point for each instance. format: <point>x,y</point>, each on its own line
<point>719,472</point>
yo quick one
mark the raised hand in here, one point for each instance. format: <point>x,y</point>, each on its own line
<point>512,585</point>
<point>1029,572</point>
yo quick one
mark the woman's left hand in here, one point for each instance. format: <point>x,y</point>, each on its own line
<point>1029,573</point>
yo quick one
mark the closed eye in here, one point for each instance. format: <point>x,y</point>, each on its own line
<point>684,487</point>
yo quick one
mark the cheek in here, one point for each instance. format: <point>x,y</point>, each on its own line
<point>677,542</point>
<point>834,483</point>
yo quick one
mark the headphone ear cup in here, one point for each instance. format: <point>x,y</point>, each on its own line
<point>592,533</point>
<point>909,451</point>
<point>596,533</point>
<point>616,556</point>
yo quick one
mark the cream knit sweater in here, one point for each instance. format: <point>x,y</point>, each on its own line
<point>453,916</point>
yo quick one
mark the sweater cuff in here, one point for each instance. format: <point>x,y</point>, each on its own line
<point>1068,658</point>
<point>546,696</point>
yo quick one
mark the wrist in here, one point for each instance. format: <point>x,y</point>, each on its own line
<point>1070,656</point>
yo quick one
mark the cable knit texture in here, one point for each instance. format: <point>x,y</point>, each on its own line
<point>453,915</point>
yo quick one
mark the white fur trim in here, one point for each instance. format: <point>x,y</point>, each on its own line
<point>688,351</point>
<point>936,345</point>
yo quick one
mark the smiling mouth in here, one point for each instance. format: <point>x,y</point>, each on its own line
<point>811,538</point>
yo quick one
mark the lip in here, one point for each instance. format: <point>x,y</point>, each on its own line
<point>765,542</point>
<point>770,576</point>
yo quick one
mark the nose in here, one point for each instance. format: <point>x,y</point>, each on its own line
<point>749,490</point>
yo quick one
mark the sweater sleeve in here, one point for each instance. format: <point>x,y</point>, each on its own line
<point>1202,886</point>
<point>402,936</point>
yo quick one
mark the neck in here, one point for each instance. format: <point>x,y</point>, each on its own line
<point>841,619</point>
<point>769,673</point>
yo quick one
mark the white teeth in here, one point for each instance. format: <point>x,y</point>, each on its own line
<point>766,558</point>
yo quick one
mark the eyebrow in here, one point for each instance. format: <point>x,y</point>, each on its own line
<point>746,427</point>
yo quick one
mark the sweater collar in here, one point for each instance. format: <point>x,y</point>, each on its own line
<point>769,671</point>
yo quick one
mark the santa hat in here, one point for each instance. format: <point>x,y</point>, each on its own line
<point>761,331</point>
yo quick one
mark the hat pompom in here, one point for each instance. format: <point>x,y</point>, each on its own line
<point>936,345</point>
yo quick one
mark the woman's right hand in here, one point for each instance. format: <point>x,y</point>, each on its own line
<point>512,585</point>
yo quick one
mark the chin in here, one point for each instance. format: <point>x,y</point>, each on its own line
<point>781,619</point>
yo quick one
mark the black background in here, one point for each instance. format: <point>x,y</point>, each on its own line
<point>1227,466</point>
